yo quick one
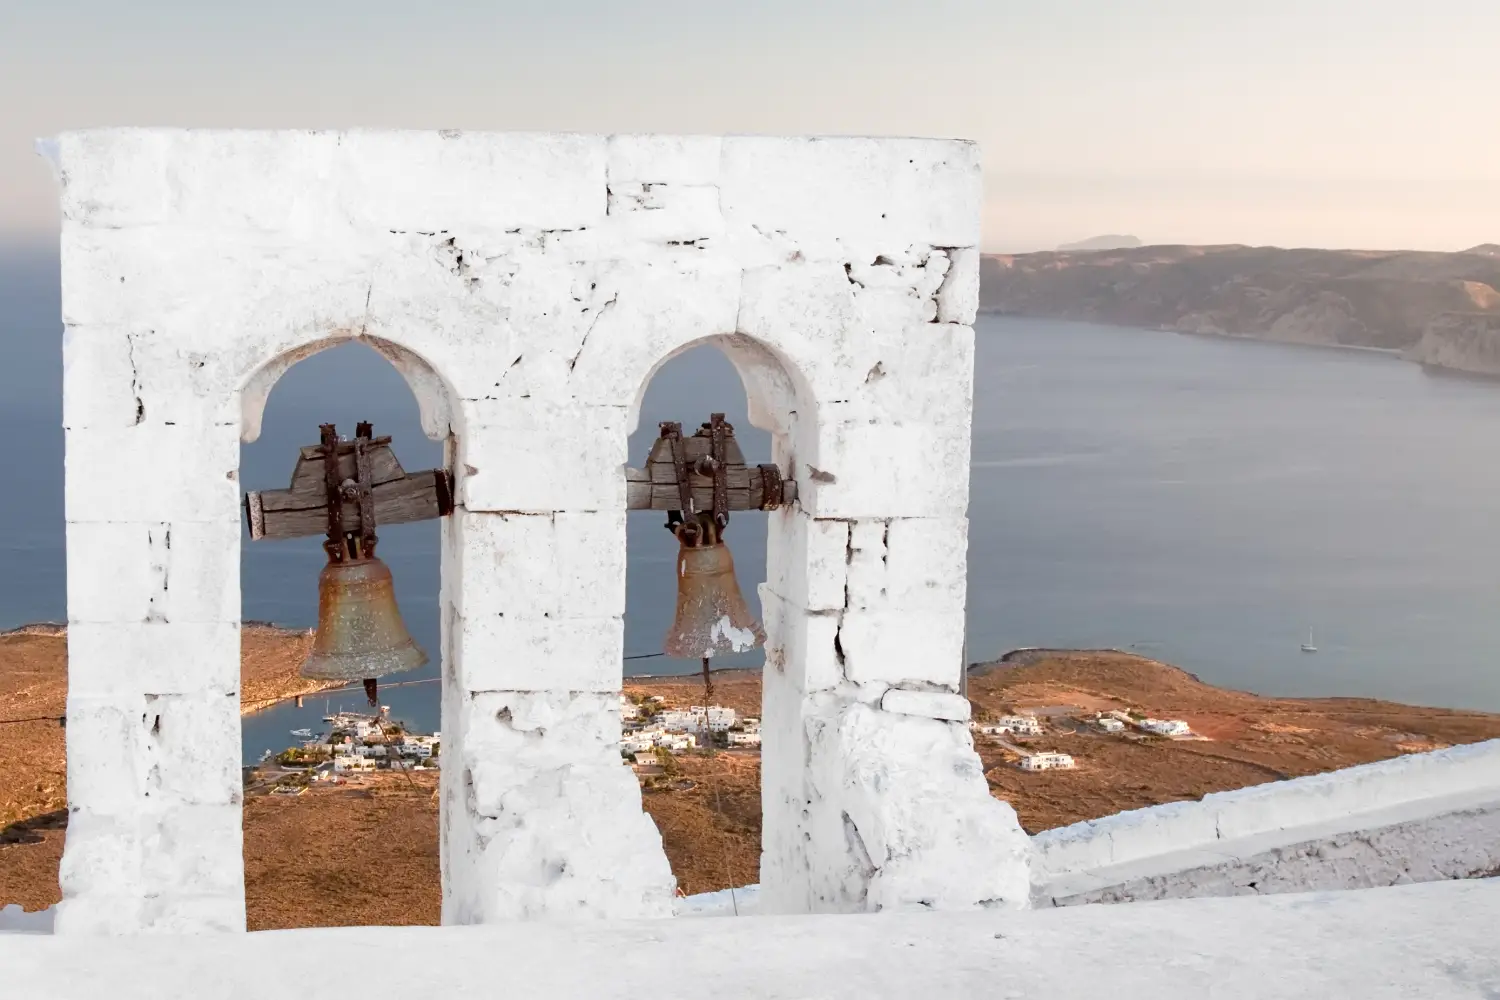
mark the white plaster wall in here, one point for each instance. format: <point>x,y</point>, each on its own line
<point>527,286</point>
<point>1416,817</point>
<point>1434,942</point>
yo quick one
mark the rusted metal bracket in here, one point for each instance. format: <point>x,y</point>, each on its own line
<point>335,546</point>
<point>718,432</point>
<point>343,489</point>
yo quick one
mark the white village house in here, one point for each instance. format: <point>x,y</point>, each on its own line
<point>1047,762</point>
<point>1020,725</point>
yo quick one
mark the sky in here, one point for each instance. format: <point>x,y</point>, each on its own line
<point>1336,123</point>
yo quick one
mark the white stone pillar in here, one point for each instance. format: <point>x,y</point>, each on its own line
<point>543,817</point>
<point>153,731</point>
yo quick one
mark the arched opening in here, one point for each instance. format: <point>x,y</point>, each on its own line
<point>327,842</point>
<point>695,747</point>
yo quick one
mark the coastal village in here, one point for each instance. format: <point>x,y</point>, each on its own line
<point>359,744</point>
<point>650,726</point>
<point>355,744</point>
<point>1126,723</point>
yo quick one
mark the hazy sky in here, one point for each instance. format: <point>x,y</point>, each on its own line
<point>1364,123</point>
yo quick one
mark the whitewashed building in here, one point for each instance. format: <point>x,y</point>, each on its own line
<point>744,739</point>
<point>1047,762</point>
<point>1109,724</point>
<point>1166,727</point>
<point>719,717</point>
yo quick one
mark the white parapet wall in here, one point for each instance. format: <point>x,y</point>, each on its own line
<point>1419,817</point>
<point>1435,942</point>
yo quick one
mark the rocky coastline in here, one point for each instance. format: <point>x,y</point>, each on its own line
<point>1440,310</point>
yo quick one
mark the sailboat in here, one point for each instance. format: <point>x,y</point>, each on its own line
<point>1308,647</point>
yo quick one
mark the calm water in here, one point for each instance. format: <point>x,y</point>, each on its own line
<point>1203,501</point>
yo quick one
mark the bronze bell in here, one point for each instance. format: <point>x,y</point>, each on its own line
<point>712,616</point>
<point>360,632</point>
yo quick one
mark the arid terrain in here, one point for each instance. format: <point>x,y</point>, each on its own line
<point>1434,307</point>
<point>367,852</point>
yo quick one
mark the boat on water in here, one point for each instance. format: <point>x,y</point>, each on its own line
<point>265,756</point>
<point>302,732</point>
<point>1308,647</point>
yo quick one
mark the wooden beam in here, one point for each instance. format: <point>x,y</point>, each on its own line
<point>644,490</point>
<point>416,496</point>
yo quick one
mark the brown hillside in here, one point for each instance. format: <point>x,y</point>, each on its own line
<point>1338,297</point>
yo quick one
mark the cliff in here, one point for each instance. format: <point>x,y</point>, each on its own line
<point>1380,299</point>
<point>1463,341</point>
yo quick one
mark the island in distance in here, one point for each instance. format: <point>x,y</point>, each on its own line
<point>1441,310</point>
<point>1109,242</point>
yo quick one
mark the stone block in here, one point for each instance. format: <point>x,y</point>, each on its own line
<point>958,298</point>
<point>103,758</point>
<point>887,193</point>
<point>801,644</point>
<point>122,571</point>
<point>664,159</point>
<point>468,181</point>
<point>926,704</point>
<point>193,850</point>
<point>187,913</point>
<point>125,659</point>
<point>897,647</point>
<point>200,579</point>
<point>153,473</point>
<point>541,459</point>
<point>537,728</point>
<point>100,388</point>
<point>805,312</point>
<point>102,855</point>
<point>110,572</point>
<point>569,564</point>
<point>925,375</point>
<point>98,914</point>
<point>505,653</point>
<point>807,560</point>
<point>867,576</point>
<point>926,563</point>
<point>879,470</point>
<point>664,213</point>
<point>190,746</point>
<point>648,312</point>
<point>913,799</point>
<point>306,182</point>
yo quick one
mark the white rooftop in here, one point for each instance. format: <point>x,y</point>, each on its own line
<point>1434,941</point>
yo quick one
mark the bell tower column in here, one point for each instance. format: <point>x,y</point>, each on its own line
<point>153,724</point>
<point>541,817</point>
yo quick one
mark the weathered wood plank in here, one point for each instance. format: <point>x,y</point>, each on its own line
<point>274,514</point>
<point>695,448</point>
<point>736,477</point>
<point>307,477</point>
<point>642,493</point>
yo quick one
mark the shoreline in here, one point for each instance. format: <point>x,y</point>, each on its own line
<point>1395,352</point>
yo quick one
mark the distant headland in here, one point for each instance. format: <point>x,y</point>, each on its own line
<point>1441,310</point>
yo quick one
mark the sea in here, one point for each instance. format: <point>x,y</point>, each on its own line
<point>1205,501</point>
